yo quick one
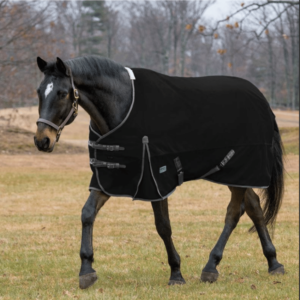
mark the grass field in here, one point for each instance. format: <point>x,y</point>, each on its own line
<point>41,197</point>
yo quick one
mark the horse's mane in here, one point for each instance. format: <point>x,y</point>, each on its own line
<point>90,67</point>
<point>94,66</point>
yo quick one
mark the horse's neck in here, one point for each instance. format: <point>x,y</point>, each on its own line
<point>107,106</point>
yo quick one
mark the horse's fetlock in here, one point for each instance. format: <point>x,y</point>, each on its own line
<point>164,230</point>
<point>87,257</point>
<point>269,251</point>
<point>87,217</point>
<point>216,256</point>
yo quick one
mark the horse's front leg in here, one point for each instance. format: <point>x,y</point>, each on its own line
<point>87,275</point>
<point>163,226</point>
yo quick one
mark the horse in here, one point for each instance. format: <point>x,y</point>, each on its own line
<point>105,90</point>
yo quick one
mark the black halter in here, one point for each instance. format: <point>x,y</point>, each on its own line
<point>74,112</point>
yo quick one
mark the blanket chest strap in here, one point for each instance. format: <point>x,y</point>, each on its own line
<point>103,164</point>
<point>105,147</point>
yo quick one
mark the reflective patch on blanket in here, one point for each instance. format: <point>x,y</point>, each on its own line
<point>163,169</point>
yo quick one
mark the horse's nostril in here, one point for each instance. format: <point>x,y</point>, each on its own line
<point>45,142</point>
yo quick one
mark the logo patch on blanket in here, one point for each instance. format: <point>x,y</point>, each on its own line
<point>163,169</point>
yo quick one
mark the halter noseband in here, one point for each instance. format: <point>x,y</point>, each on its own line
<point>74,112</point>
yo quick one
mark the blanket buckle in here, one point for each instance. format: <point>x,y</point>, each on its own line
<point>180,173</point>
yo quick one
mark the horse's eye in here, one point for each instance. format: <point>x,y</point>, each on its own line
<point>62,94</point>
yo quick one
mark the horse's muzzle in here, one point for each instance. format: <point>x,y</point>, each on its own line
<point>43,144</point>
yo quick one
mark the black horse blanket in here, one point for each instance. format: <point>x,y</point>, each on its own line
<point>217,128</point>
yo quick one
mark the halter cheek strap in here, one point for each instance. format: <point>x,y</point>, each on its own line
<point>73,112</point>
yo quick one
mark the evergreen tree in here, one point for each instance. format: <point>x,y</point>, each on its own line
<point>92,23</point>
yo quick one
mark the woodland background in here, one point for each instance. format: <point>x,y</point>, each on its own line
<point>258,41</point>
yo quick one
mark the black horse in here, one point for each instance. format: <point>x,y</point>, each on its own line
<point>104,89</point>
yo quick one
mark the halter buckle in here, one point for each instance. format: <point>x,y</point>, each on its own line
<point>75,107</point>
<point>76,94</point>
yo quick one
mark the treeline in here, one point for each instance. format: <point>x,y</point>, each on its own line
<point>257,42</point>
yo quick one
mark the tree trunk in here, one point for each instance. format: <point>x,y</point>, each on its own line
<point>286,66</point>
<point>294,33</point>
<point>272,81</point>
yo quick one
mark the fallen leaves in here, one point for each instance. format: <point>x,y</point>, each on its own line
<point>240,280</point>
<point>253,286</point>
<point>67,293</point>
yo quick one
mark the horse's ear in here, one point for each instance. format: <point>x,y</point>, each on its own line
<point>62,67</point>
<point>41,64</point>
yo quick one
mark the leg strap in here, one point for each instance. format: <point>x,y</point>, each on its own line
<point>179,170</point>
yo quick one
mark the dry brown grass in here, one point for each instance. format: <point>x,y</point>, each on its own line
<point>41,200</point>
<point>41,197</point>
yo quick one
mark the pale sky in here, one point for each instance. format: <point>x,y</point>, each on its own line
<point>222,8</point>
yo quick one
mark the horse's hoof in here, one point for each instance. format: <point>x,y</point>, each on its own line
<point>175,282</point>
<point>277,271</point>
<point>87,280</point>
<point>209,277</point>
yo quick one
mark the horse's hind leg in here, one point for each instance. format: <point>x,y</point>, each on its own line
<point>234,211</point>
<point>163,226</point>
<point>87,275</point>
<point>254,211</point>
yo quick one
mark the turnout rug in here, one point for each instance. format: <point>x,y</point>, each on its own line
<point>178,129</point>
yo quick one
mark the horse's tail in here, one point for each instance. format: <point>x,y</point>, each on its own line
<point>272,196</point>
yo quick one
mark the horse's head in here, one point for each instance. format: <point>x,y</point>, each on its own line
<point>57,103</point>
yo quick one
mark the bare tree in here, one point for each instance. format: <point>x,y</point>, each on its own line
<point>246,11</point>
<point>258,41</point>
<point>111,25</point>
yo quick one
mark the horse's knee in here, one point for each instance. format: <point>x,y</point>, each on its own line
<point>88,214</point>
<point>163,228</point>
<point>95,201</point>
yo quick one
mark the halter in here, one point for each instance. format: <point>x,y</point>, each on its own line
<point>74,112</point>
